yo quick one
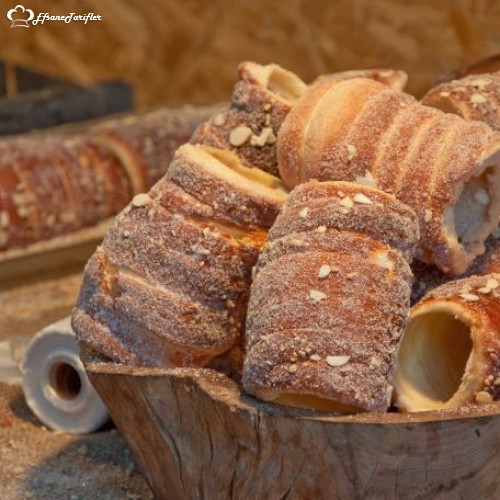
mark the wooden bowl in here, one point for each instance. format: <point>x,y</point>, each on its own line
<point>195,435</point>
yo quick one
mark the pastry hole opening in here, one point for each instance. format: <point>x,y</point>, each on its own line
<point>285,84</point>
<point>65,381</point>
<point>432,359</point>
<point>478,206</point>
<point>253,174</point>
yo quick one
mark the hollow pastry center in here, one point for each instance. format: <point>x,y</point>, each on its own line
<point>252,174</point>
<point>285,84</point>
<point>477,205</point>
<point>432,359</point>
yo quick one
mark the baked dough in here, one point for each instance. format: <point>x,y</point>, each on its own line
<point>248,126</point>
<point>445,168</point>
<point>475,97</point>
<point>330,298</point>
<point>169,286</point>
<point>450,353</point>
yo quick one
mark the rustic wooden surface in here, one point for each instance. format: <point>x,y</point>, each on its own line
<point>58,256</point>
<point>195,435</point>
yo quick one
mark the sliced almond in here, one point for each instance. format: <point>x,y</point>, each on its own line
<point>239,135</point>
<point>324,271</point>
<point>316,296</point>
<point>337,360</point>
<point>141,200</point>
<point>362,199</point>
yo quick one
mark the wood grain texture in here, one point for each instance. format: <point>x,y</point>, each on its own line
<point>196,435</point>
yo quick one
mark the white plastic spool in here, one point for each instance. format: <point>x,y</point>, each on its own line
<point>55,384</point>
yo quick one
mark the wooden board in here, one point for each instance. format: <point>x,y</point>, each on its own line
<point>58,256</point>
<point>39,284</point>
<point>196,435</point>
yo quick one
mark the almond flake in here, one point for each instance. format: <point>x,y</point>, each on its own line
<point>444,94</point>
<point>219,120</point>
<point>315,357</point>
<point>321,229</point>
<point>427,215</point>
<point>337,360</point>
<point>292,369</point>
<point>382,259</point>
<point>240,135</point>
<point>261,139</point>
<point>324,271</point>
<point>492,283</point>
<point>478,99</point>
<point>470,297</point>
<point>316,296</point>
<point>366,180</point>
<point>361,198</point>
<point>141,200</point>
<point>483,397</point>
<point>480,82</point>
<point>351,151</point>
<point>303,212</point>
<point>296,243</point>
<point>206,231</point>
<point>4,219</point>
<point>346,202</point>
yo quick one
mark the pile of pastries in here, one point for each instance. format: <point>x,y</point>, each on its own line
<point>290,237</point>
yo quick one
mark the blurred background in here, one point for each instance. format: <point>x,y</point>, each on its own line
<point>187,51</point>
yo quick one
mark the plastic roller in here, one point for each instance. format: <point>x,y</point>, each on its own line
<point>55,384</point>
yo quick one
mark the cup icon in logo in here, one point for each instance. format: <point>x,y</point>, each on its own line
<point>20,17</point>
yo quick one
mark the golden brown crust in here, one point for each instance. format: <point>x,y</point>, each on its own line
<point>169,285</point>
<point>450,353</point>
<point>248,127</point>
<point>475,97</point>
<point>329,298</point>
<point>446,169</point>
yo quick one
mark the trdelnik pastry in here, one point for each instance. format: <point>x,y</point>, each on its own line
<point>330,299</point>
<point>446,168</point>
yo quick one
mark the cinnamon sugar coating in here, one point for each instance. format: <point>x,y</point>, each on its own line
<point>330,298</point>
<point>248,126</point>
<point>474,97</point>
<point>53,186</point>
<point>169,286</point>
<point>445,168</point>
